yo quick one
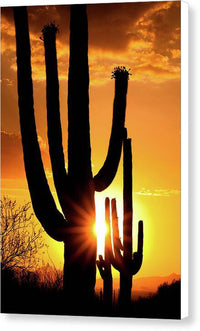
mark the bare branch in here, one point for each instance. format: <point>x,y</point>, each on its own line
<point>21,236</point>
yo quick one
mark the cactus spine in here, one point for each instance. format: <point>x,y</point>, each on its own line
<point>76,188</point>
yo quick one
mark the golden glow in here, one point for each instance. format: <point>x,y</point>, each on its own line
<point>100,228</point>
<point>152,121</point>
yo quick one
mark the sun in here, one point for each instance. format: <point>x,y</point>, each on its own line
<point>100,228</point>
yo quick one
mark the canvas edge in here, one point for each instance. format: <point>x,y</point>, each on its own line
<point>184,143</point>
<point>184,160</point>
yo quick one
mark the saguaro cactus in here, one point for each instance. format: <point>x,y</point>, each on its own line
<point>76,188</point>
<point>104,265</point>
<point>127,264</point>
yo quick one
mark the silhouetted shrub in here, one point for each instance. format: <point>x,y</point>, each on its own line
<point>31,293</point>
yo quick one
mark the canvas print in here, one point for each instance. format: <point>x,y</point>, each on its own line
<point>90,159</point>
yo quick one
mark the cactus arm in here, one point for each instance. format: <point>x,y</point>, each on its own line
<point>53,108</point>
<point>127,198</point>
<point>138,256</point>
<point>108,244</point>
<point>42,200</point>
<point>136,263</point>
<point>116,239</point>
<point>108,171</point>
<point>140,238</point>
<point>79,150</point>
<point>102,267</point>
<point>117,261</point>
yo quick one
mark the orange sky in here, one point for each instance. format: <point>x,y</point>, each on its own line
<point>146,38</point>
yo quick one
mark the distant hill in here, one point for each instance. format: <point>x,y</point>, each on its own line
<point>142,287</point>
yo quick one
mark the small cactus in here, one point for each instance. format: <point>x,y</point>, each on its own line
<point>129,263</point>
<point>127,267</point>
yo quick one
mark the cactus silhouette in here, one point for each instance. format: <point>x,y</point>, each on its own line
<point>104,265</point>
<point>75,188</point>
<point>127,264</point>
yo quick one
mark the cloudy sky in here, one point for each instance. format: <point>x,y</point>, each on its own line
<point>145,37</point>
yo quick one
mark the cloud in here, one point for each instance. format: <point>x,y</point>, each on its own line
<point>11,156</point>
<point>7,35</point>
<point>158,192</point>
<point>12,164</point>
<point>142,36</point>
<point>7,81</point>
<point>110,24</point>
